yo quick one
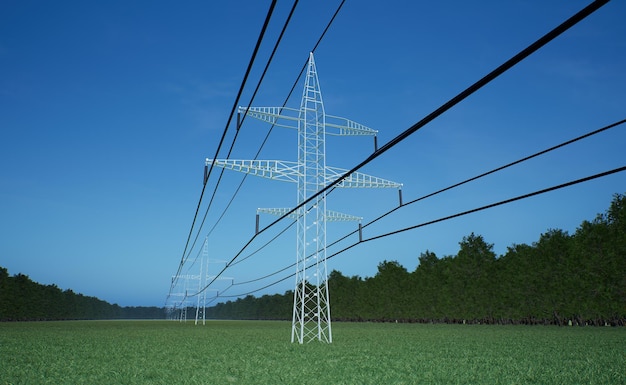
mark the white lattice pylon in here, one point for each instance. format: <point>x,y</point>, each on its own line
<point>311,310</point>
<point>192,291</point>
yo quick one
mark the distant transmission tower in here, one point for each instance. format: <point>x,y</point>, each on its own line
<point>178,308</point>
<point>311,306</point>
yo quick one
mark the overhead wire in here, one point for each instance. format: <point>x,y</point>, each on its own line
<point>241,87</point>
<point>266,243</point>
<point>475,177</point>
<point>260,81</point>
<point>557,187</point>
<point>458,98</point>
<point>266,138</point>
<point>295,83</point>
<point>526,158</point>
<point>442,219</point>
<point>446,106</point>
<point>589,134</point>
<point>270,130</point>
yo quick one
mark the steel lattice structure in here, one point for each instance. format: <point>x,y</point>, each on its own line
<point>311,308</point>
<point>193,285</point>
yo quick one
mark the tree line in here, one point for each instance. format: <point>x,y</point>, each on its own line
<point>560,279</point>
<point>22,299</point>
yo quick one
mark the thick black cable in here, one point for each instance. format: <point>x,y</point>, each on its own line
<point>284,104</point>
<point>589,134</point>
<point>267,135</point>
<point>319,40</point>
<point>236,102</point>
<point>461,96</point>
<point>595,132</point>
<point>492,205</point>
<point>267,65</point>
<point>478,176</point>
<point>577,181</point>
<point>269,61</point>
<point>439,111</point>
<point>241,87</point>
<point>332,19</point>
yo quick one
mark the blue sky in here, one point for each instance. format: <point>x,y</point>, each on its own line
<point>108,110</point>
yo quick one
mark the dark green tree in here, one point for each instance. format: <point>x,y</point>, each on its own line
<point>472,278</point>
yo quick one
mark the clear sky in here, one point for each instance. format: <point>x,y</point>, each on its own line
<point>108,110</point>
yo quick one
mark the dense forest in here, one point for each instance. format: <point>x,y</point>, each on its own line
<point>21,299</point>
<point>560,279</point>
<point>577,279</point>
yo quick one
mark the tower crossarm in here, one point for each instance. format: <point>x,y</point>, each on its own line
<point>187,276</point>
<point>270,169</point>
<point>288,172</point>
<point>289,118</point>
<point>335,216</point>
<point>279,116</point>
<point>279,212</point>
<point>358,180</point>
<point>178,294</point>
<point>331,216</point>
<point>345,127</point>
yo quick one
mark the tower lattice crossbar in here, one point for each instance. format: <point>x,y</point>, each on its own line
<point>311,306</point>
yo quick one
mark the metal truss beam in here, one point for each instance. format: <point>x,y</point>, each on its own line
<point>289,172</point>
<point>331,216</point>
<point>269,169</point>
<point>289,118</point>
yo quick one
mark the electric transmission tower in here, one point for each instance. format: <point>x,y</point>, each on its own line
<point>311,306</point>
<point>178,309</point>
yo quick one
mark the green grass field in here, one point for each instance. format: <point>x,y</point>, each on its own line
<point>240,352</point>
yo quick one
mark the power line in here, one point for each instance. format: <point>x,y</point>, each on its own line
<point>526,158</point>
<point>463,213</point>
<point>568,142</point>
<point>243,82</point>
<point>442,219</point>
<point>319,40</point>
<point>293,8</point>
<point>267,243</point>
<point>295,83</point>
<point>439,111</point>
<point>292,89</point>
<point>589,134</point>
<point>461,96</point>
<point>557,187</point>
<point>545,151</point>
